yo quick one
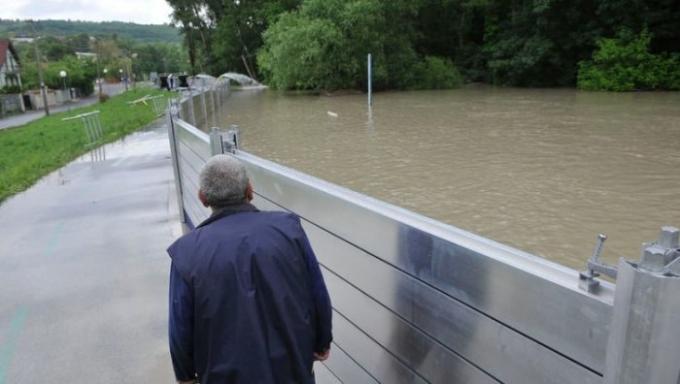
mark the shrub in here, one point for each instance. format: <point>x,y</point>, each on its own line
<point>437,73</point>
<point>10,89</point>
<point>625,64</point>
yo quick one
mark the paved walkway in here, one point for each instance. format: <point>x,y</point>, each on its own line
<point>83,269</point>
<point>24,118</point>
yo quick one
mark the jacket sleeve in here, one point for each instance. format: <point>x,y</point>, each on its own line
<point>322,302</point>
<point>181,326</point>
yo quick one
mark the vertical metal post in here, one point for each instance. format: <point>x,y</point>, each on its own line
<point>99,125</point>
<point>218,107</point>
<point>232,140</point>
<point>216,142</point>
<point>88,132</point>
<point>644,342</point>
<point>205,110</point>
<point>173,107</point>
<point>370,81</point>
<point>214,107</point>
<point>192,115</point>
<point>43,88</point>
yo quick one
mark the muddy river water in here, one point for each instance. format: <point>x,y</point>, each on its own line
<point>542,170</point>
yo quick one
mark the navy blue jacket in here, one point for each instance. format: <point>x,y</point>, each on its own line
<point>248,303</point>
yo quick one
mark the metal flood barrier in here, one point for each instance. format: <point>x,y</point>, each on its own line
<point>419,301</point>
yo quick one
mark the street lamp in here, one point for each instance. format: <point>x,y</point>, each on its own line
<point>99,75</point>
<point>62,74</point>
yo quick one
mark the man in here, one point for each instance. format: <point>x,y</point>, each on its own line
<point>248,303</point>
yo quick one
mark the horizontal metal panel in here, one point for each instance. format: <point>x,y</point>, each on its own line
<point>324,376</point>
<point>531,295</point>
<point>430,359</point>
<point>195,139</point>
<point>197,212</point>
<point>377,361</point>
<point>477,338</point>
<point>188,174</point>
<point>345,369</point>
<point>194,212</point>
<point>193,206</point>
<point>191,158</point>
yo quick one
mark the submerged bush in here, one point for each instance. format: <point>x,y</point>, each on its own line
<point>625,64</point>
<point>437,73</point>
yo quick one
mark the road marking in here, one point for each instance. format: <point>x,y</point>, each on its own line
<point>7,349</point>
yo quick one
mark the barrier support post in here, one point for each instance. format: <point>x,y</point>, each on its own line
<point>644,337</point>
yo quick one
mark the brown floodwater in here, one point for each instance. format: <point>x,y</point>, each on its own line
<point>543,170</point>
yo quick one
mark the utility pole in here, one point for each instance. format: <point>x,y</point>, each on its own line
<point>99,76</point>
<point>43,89</point>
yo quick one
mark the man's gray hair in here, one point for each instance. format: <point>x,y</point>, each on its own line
<point>223,181</point>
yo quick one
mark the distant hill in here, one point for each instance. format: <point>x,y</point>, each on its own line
<point>138,32</point>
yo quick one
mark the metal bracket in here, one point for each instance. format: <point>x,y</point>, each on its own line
<point>232,140</point>
<point>662,255</point>
<point>596,268</point>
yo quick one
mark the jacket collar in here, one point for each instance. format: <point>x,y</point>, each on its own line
<point>228,211</point>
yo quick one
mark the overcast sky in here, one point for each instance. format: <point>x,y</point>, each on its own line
<point>136,11</point>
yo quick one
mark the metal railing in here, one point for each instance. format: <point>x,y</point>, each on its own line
<point>419,301</point>
<point>92,126</point>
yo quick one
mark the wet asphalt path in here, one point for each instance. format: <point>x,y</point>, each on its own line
<point>83,269</point>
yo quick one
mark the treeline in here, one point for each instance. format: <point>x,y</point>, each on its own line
<point>117,58</point>
<point>63,28</point>
<point>322,44</point>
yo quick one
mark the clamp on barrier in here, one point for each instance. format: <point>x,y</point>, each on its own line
<point>661,256</point>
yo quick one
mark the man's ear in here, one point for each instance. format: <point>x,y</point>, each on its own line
<point>249,192</point>
<point>203,199</point>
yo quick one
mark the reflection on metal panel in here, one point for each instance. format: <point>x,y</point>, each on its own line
<point>377,361</point>
<point>324,376</point>
<point>345,369</point>
<point>430,359</point>
<point>535,297</point>
<point>193,149</point>
<point>477,338</point>
<point>485,342</point>
<point>194,139</point>
<point>193,160</point>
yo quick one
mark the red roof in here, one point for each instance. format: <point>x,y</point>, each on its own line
<point>6,45</point>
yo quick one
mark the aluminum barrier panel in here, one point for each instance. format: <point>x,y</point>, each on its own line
<point>416,300</point>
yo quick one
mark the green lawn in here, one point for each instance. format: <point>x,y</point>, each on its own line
<point>33,150</point>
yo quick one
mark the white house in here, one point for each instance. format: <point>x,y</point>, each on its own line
<point>9,65</point>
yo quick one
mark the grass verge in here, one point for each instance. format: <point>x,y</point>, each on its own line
<point>33,150</point>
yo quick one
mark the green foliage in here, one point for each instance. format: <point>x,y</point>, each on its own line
<point>9,89</point>
<point>324,46</point>
<point>225,36</point>
<point>519,43</point>
<point>64,28</point>
<point>438,73</point>
<point>114,54</point>
<point>80,75</point>
<point>300,53</point>
<point>29,152</point>
<point>626,64</point>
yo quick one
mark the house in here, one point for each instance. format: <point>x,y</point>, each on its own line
<point>10,75</point>
<point>86,56</point>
